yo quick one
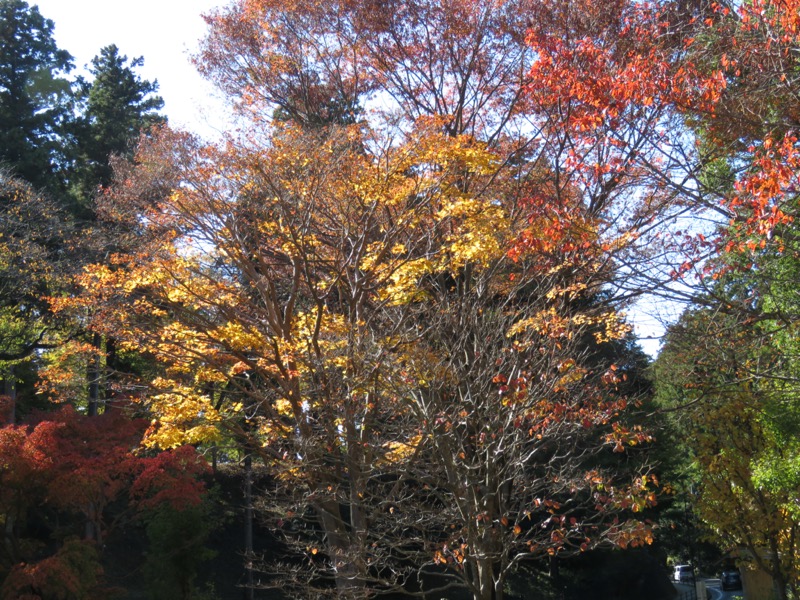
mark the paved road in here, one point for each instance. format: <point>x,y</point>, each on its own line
<point>717,594</point>
<point>712,585</point>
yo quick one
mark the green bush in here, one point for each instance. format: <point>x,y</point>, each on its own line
<point>177,549</point>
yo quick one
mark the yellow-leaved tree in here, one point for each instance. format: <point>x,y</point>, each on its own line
<point>401,311</point>
<point>412,360</point>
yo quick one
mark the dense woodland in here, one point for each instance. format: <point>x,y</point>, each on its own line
<point>373,342</point>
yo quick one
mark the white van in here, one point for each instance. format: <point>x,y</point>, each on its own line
<point>683,573</point>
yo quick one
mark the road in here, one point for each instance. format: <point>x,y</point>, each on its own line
<point>712,585</point>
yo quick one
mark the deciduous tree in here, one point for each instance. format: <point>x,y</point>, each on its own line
<point>724,380</point>
<point>33,264</point>
<point>739,385</point>
<point>395,306</point>
<point>348,314</point>
<point>75,466</point>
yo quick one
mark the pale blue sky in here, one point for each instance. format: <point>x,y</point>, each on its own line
<point>164,32</point>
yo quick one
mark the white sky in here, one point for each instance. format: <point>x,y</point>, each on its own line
<point>164,32</point>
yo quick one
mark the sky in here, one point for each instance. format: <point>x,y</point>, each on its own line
<point>164,32</point>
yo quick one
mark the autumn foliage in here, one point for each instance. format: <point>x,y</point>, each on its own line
<point>401,309</point>
<point>736,371</point>
<point>401,283</point>
<point>72,573</point>
<point>78,466</point>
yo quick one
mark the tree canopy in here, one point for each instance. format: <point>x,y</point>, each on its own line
<point>400,286</point>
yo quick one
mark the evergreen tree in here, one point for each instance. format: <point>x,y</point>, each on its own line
<point>34,96</point>
<point>118,106</point>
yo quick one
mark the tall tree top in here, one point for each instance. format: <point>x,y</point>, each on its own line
<point>316,62</point>
<point>33,92</point>
<point>118,106</point>
<point>119,102</point>
<point>28,47</point>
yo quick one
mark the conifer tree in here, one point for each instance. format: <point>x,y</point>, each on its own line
<point>118,105</point>
<point>34,95</point>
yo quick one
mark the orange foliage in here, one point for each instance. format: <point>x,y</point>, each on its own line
<point>73,573</point>
<point>80,464</point>
<point>600,63</point>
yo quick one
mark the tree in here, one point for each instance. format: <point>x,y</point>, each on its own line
<point>119,106</point>
<point>44,137</point>
<point>73,573</point>
<point>583,109</point>
<point>380,309</point>
<point>177,550</point>
<point>738,422</point>
<point>312,314</point>
<point>75,466</point>
<point>733,354</point>
<point>33,265</point>
<point>517,424</point>
<point>33,229</point>
<point>466,61</point>
<point>33,96</point>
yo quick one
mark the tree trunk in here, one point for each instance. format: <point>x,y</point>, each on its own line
<point>92,531</point>
<point>10,539</point>
<point>488,585</point>
<point>93,377</point>
<point>779,581</point>
<point>109,395</point>
<point>350,584</point>
<point>10,393</point>
<point>358,516</point>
